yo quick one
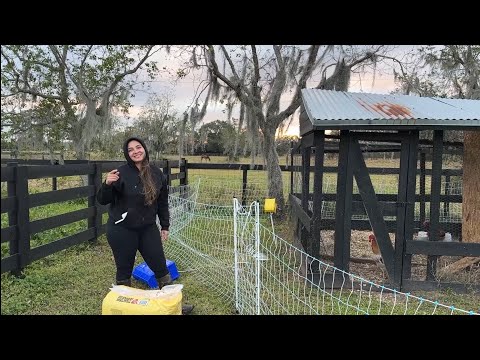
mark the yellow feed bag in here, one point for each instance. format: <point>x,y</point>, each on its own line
<point>124,300</point>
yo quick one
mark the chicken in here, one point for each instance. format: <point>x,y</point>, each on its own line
<point>422,235</point>
<point>377,255</point>
<point>441,234</point>
<point>447,237</point>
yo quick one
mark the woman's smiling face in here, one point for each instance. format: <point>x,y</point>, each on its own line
<point>136,151</point>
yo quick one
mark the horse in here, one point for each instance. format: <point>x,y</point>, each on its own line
<point>204,156</point>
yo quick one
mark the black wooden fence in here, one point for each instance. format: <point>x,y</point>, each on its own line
<point>19,202</point>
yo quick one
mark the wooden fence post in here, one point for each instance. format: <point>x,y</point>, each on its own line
<point>22,218</point>
<point>167,172</point>
<point>54,180</point>
<point>12,215</point>
<point>95,180</point>
<point>435,200</point>
<point>423,161</point>
<point>244,184</point>
<point>184,169</point>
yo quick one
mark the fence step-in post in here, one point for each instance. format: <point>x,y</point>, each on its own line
<point>258,266</point>
<point>235,250</point>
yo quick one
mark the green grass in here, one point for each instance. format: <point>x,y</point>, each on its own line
<point>76,280</point>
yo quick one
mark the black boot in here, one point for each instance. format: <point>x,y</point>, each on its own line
<point>164,280</point>
<point>187,309</point>
<point>126,282</point>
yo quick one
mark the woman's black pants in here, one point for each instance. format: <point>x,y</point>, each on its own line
<point>125,243</point>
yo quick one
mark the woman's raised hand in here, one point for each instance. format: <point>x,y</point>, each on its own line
<point>112,176</point>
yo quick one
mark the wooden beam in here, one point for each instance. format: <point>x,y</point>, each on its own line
<point>304,233</point>
<point>319,143</point>
<point>299,212</point>
<point>441,248</point>
<point>367,192</point>
<point>308,140</point>
<point>435,196</point>
<point>401,215</point>
<point>49,171</point>
<point>423,198</point>
<point>471,188</point>
<point>51,197</point>
<point>343,208</point>
<point>410,223</point>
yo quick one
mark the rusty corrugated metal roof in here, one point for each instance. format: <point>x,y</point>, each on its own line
<point>345,109</point>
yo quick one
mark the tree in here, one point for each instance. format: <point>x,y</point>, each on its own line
<point>454,71</point>
<point>284,144</point>
<point>81,85</point>
<point>261,79</point>
<point>111,146</point>
<point>157,123</point>
<point>216,137</point>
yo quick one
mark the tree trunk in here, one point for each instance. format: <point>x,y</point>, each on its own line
<point>239,130</point>
<point>253,149</point>
<point>51,154</point>
<point>275,181</point>
<point>471,187</point>
<point>80,155</point>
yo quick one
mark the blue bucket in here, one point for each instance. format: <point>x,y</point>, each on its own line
<point>143,273</point>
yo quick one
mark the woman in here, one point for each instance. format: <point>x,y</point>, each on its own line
<point>137,192</point>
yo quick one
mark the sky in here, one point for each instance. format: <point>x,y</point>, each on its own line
<point>183,91</point>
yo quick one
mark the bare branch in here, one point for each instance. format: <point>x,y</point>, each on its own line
<point>62,62</point>
<point>278,84</point>
<point>120,77</point>
<point>230,62</point>
<point>82,63</point>
<point>239,89</point>
<point>256,70</point>
<point>307,72</point>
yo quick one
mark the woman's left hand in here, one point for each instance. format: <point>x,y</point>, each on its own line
<point>164,235</point>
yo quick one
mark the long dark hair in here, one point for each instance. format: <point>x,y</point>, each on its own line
<point>149,188</point>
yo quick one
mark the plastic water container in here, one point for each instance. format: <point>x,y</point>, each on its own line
<point>143,273</point>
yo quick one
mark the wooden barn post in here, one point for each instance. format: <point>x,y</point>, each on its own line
<point>471,187</point>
